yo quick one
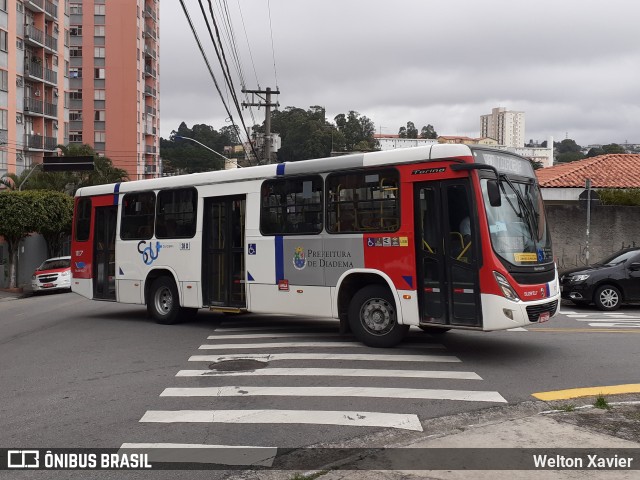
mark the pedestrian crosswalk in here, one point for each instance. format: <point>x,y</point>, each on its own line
<point>294,379</point>
<point>612,320</point>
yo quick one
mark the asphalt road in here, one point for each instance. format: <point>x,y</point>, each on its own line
<point>77,373</point>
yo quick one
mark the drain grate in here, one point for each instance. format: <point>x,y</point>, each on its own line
<point>239,365</point>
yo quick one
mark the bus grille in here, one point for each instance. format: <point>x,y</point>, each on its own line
<point>534,311</point>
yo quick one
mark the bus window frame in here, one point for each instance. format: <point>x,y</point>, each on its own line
<point>266,210</point>
<point>147,236</point>
<point>76,226</point>
<point>194,213</point>
<point>364,172</point>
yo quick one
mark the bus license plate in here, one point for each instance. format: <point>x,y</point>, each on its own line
<point>543,317</point>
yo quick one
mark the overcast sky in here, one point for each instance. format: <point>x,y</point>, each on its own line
<point>573,66</point>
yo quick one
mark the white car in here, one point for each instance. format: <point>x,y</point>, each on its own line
<point>53,274</point>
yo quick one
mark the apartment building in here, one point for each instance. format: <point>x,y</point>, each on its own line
<point>114,81</point>
<point>505,126</point>
<point>33,51</point>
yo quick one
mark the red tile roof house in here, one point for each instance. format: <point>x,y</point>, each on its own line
<point>565,182</point>
<point>611,227</point>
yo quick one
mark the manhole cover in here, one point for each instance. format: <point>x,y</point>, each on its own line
<point>240,365</point>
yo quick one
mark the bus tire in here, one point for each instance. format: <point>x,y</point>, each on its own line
<point>373,317</point>
<point>163,303</point>
<point>433,330</point>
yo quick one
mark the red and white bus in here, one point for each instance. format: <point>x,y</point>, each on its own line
<point>440,237</point>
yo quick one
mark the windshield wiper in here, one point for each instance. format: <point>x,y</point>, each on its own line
<point>525,212</point>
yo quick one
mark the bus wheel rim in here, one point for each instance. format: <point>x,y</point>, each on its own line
<point>377,316</point>
<point>164,300</point>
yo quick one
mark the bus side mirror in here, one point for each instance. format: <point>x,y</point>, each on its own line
<point>494,193</point>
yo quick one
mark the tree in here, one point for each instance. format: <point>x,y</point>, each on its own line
<point>357,130</point>
<point>183,156</point>
<point>613,148</point>
<point>57,220</point>
<point>412,131</point>
<point>402,132</point>
<point>567,151</point>
<point>21,214</point>
<point>536,164</point>
<point>428,132</point>
<point>594,152</point>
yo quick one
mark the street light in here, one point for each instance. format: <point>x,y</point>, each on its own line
<point>208,148</point>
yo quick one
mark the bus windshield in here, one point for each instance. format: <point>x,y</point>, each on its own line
<point>518,227</point>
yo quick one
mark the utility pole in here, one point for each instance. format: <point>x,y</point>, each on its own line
<point>266,102</point>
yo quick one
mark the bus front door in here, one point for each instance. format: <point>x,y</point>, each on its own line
<point>104,250</point>
<point>447,254</point>
<point>223,282</point>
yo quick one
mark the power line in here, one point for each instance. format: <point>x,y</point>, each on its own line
<point>206,60</point>
<point>273,51</point>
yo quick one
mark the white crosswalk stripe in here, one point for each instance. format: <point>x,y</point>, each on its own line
<point>353,418</point>
<point>218,382</point>
<point>369,392</point>
<point>334,372</point>
<point>266,357</point>
<point>235,346</point>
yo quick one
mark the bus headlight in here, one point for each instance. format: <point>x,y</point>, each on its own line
<point>507,290</point>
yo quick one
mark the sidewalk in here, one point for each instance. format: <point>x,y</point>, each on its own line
<point>6,295</point>
<point>570,424</point>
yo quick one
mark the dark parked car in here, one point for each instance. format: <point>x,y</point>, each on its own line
<point>608,283</point>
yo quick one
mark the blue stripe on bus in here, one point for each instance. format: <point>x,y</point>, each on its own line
<point>280,169</point>
<point>279,258</point>
<point>116,190</point>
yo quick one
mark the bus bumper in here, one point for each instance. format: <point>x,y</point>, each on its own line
<point>500,313</point>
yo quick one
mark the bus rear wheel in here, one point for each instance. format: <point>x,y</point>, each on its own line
<point>163,302</point>
<point>373,317</point>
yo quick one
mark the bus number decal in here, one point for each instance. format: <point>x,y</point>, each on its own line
<point>148,256</point>
<point>185,245</point>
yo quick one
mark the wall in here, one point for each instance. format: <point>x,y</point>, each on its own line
<point>612,228</point>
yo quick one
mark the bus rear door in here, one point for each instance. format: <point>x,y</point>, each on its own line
<point>223,284</point>
<point>447,258</point>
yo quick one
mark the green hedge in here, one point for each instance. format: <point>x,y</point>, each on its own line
<point>616,196</point>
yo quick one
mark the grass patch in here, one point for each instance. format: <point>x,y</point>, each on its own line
<point>602,403</point>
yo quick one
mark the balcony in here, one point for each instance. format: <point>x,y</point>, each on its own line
<point>50,143</point>
<point>32,106</point>
<point>51,9</point>
<point>50,76</point>
<point>33,35</point>
<point>150,149</point>
<point>149,169</point>
<point>35,5</point>
<point>50,42</point>
<point>149,13</point>
<point>149,91</point>
<point>150,32</point>
<point>150,71</point>
<point>150,110</point>
<point>33,70</point>
<point>149,52</point>
<point>51,110</point>
<point>33,142</point>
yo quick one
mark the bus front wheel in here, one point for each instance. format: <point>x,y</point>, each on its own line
<point>373,317</point>
<point>163,302</point>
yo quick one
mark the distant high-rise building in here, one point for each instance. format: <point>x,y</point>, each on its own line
<point>32,82</point>
<point>113,84</point>
<point>505,126</point>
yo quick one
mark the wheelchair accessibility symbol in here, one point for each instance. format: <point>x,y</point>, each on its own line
<point>252,249</point>
<point>371,242</point>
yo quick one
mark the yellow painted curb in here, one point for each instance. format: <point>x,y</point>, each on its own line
<point>587,392</point>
